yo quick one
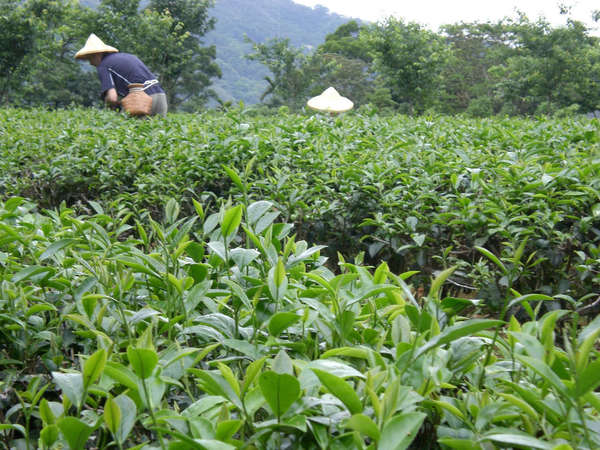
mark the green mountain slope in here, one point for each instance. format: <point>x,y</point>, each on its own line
<point>261,20</point>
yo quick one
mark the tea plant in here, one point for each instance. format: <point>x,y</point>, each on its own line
<point>223,330</point>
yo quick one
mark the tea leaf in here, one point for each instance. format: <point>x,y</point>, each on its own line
<point>143,361</point>
<point>231,221</point>
<point>341,389</point>
<point>112,415</point>
<point>280,390</point>
<point>588,379</point>
<point>281,321</point>
<point>225,430</point>
<point>71,385</point>
<point>364,425</point>
<point>400,431</point>
<point>518,439</point>
<point>76,432</point>
<point>93,367</point>
<point>128,415</point>
<point>56,247</point>
<point>492,258</point>
<point>462,329</point>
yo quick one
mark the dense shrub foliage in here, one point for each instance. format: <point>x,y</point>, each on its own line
<point>164,283</point>
<point>224,331</point>
<point>418,193</point>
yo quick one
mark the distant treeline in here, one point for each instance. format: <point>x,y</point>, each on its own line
<point>511,67</point>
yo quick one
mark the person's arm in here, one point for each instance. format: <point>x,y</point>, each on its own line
<point>111,98</point>
<point>107,86</point>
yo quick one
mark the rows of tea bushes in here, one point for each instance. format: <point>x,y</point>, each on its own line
<point>418,193</point>
<point>224,330</point>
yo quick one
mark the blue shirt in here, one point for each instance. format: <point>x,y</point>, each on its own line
<point>117,70</point>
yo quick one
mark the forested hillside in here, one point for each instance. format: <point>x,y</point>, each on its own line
<point>261,20</point>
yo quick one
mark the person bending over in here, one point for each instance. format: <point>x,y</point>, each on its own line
<point>118,70</point>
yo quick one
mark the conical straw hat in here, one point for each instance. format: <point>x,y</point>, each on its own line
<point>94,45</point>
<point>330,101</point>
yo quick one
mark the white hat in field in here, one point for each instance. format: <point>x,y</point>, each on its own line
<point>94,45</point>
<point>330,101</point>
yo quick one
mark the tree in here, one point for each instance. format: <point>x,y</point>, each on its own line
<point>17,39</point>
<point>187,67</point>
<point>347,65</point>
<point>55,78</point>
<point>551,69</point>
<point>474,49</point>
<point>184,67</point>
<point>410,59</point>
<point>345,42</point>
<point>290,81</point>
<point>41,69</point>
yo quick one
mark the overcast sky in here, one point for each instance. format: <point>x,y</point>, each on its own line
<point>434,13</point>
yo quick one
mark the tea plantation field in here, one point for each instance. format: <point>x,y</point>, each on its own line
<point>229,280</point>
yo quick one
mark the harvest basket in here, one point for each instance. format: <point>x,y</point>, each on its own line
<point>137,102</point>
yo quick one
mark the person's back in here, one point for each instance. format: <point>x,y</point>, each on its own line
<point>118,70</point>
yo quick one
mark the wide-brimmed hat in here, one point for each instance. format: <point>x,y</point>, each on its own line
<point>94,45</point>
<point>330,101</point>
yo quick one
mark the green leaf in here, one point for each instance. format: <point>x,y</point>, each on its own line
<point>56,247</point>
<point>128,415</point>
<point>93,367</point>
<point>143,361</point>
<point>280,390</point>
<point>586,339</point>
<point>49,435</point>
<point>492,258</point>
<point>341,389</point>
<point>46,413</point>
<point>257,209</point>
<point>544,371</point>
<point>10,426</point>
<point>436,285</point>
<point>235,178</point>
<point>171,211</point>
<point>187,443</point>
<point>462,329</point>
<point>215,384</point>
<point>227,373</point>
<point>243,257</point>
<point>353,352</point>
<point>76,432</point>
<point>226,429</point>
<point>588,379</point>
<point>39,308</point>
<point>282,363</point>
<point>112,415</point>
<point>71,385</point>
<point>400,431</point>
<point>231,221</point>
<point>277,280</point>
<point>335,367</point>
<point>453,305</point>
<point>121,374</point>
<point>364,425</point>
<point>518,439</point>
<point>251,372</point>
<point>529,298</point>
<point>282,321</point>
<point>31,272</point>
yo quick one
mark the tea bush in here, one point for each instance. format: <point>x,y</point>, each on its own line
<point>419,193</point>
<point>223,330</point>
